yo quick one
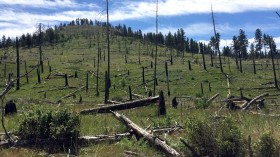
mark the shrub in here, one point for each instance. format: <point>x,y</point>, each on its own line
<point>267,146</point>
<point>58,128</point>
<point>229,139</point>
<point>201,103</point>
<point>201,137</point>
<point>215,139</point>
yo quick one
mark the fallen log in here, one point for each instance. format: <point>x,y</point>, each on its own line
<point>100,138</point>
<point>73,93</point>
<point>121,106</point>
<point>268,115</point>
<point>58,88</point>
<point>247,105</point>
<point>152,139</point>
<point>138,96</point>
<point>213,97</point>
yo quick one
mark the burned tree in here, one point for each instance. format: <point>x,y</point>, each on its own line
<point>217,40</point>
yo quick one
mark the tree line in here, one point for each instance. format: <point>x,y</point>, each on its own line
<point>178,40</point>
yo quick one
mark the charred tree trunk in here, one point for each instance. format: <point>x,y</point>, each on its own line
<point>122,106</point>
<point>18,65</point>
<point>167,80</point>
<point>273,66</point>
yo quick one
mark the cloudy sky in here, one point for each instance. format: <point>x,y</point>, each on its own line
<point>194,16</point>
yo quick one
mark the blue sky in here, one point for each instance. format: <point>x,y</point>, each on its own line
<point>194,16</point>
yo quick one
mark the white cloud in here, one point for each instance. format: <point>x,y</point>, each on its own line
<point>133,9</point>
<point>18,23</point>
<point>49,4</point>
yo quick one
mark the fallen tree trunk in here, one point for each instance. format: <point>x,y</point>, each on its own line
<point>152,139</point>
<point>73,93</point>
<point>247,105</point>
<point>121,106</point>
<point>100,138</point>
<point>213,97</point>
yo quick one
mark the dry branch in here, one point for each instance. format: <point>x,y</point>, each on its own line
<point>73,93</point>
<point>247,105</point>
<point>58,88</point>
<point>213,97</point>
<point>100,138</point>
<point>121,106</point>
<point>152,139</point>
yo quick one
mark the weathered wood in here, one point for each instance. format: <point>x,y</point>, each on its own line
<point>213,97</point>
<point>162,108</point>
<point>100,138</point>
<point>66,80</point>
<point>152,139</point>
<point>130,93</point>
<point>18,65</point>
<point>247,105</point>
<point>38,76</point>
<point>122,106</point>
<point>25,64</point>
<point>73,93</point>
<point>167,80</point>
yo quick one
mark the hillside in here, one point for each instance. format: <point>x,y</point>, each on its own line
<point>77,54</point>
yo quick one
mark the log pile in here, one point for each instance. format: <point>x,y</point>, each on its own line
<point>245,102</point>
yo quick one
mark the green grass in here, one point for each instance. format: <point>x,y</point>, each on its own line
<point>76,55</point>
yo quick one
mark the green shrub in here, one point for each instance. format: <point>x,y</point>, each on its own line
<point>201,103</point>
<point>200,135</point>
<point>229,139</point>
<point>58,128</point>
<point>267,146</point>
<point>215,139</point>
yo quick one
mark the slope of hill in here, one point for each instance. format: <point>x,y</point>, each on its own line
<point>76,54</point>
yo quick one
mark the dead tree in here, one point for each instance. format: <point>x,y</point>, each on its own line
<point>151,138</point>
<point>18,64</point>
<point>155,70</point>
<point>167,80</point>
<point>40,48</point>
<point>216,40</point>
<point>122,106</point>
<point>273,65</point>
<point>108,82</point>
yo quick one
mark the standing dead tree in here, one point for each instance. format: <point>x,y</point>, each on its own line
<point>216,40</point>
<point>108,81</point>
<point>155,70</point>
<point>40,48</point>
<point>18,64</point>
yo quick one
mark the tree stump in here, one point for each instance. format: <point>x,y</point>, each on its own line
<point>10,108</point>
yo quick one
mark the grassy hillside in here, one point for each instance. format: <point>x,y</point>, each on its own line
<point>81,52</point>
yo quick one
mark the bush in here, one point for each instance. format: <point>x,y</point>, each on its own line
<point>267,146</point>
<point>229,139</point>
<point>201,137</point>
<point>58,128</point>
<point>201,103</point>
<point>215,139</point>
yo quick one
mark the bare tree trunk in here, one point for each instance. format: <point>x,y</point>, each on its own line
<point>152,139</point>
<point>18,65</point>
<point>122,106</point>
